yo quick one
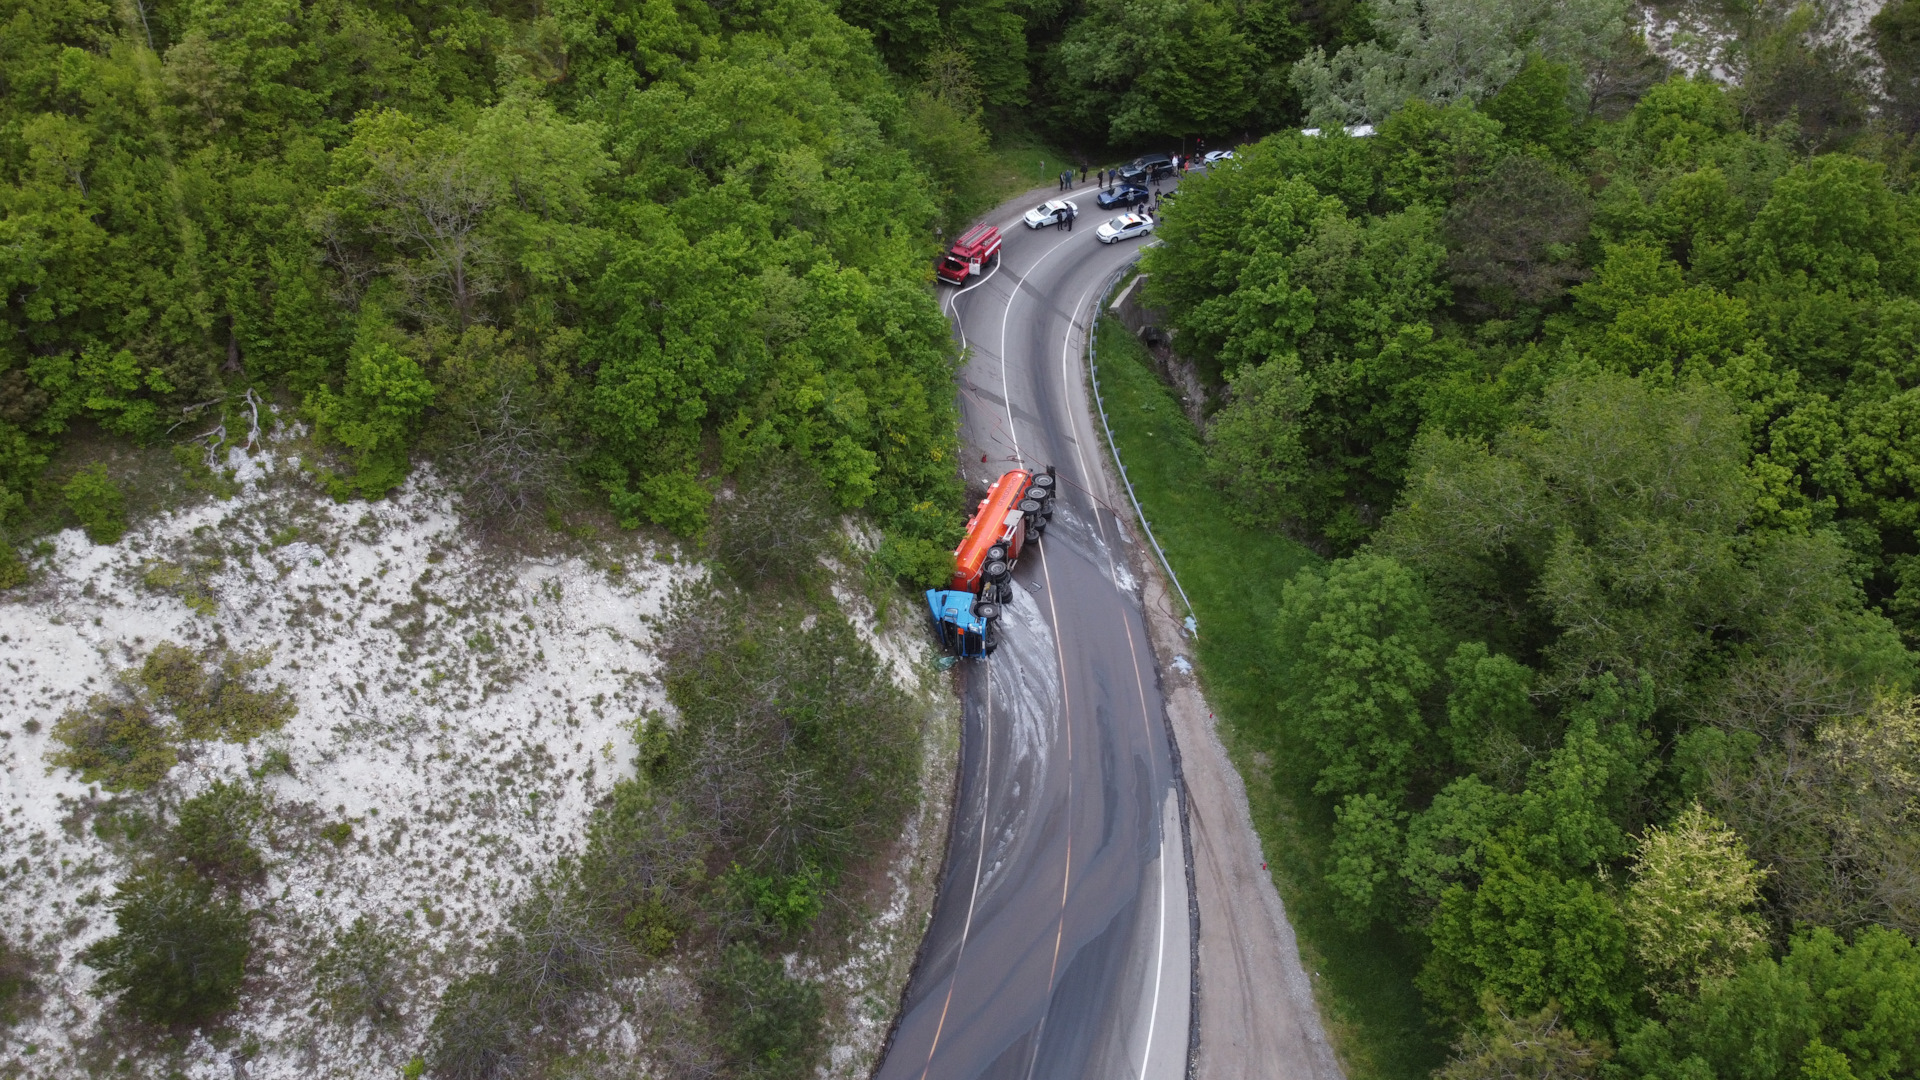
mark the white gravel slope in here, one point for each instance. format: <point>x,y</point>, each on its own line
<point>463,711</point>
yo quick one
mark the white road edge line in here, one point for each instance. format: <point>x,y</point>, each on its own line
<point>1160,922</point>
<point>966,928</point>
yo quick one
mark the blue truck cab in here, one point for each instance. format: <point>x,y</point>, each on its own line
<point>964,620</point>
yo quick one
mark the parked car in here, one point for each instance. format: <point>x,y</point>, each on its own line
<point>1214,157</point>
<point>1124,195</point>
<point>1050,213</point>
<point>1125,227</point>
<point>1145,169</point>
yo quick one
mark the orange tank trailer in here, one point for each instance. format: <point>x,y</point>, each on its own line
<point>996,520</point>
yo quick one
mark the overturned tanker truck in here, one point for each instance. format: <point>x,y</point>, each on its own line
<point>1014,514</point>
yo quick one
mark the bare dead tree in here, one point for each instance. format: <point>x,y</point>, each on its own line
<point>773,526</point>
<point>510,458</point>
<point>675,1037</point>
<point>478,1034</point>
<point>559,949</point>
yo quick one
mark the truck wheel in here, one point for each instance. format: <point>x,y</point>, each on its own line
<point>1029,507</point>
<point>987,610</point>
<point>997,553</point>
<point>996,570</point>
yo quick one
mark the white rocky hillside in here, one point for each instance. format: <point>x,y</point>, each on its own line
<point>461,708</point>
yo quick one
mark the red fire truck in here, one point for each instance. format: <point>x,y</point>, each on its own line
<point>971,254</point>
<point>1014,514</point>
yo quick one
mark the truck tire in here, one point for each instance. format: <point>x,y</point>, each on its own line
<point>986,609</point>
<point>997,553</point>
<point>1030,507</point>
<point>996,570</point>
<point>1043,482</point>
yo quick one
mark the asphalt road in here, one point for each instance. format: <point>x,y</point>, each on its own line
<point>1060,945</point>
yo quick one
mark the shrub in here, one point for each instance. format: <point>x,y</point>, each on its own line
<point>13,569</point>
<point>558,948</point>
<point>217,701</point>
<point>769,1025</point>
<point>787,903</point>
<point>96,501</point>
<point>214,834</point>
<point>644,860</point>
<point>360,976</point>
<point>794,748</point>
<point>179,952</point>
<point>115,741</point>
<point>374,417</point>
<point>16,981</point>
<point>119,742</point>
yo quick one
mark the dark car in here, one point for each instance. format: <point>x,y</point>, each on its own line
<point>1145,170</point>
<point>1127,195</point>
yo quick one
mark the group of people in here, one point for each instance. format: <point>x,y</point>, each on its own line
<point>1107,178</point>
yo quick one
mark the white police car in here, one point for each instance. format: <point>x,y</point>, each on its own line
<point>1125,227</point>
<point>1050,213</point>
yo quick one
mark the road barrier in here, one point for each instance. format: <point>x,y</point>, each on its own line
<point>1093,367</point>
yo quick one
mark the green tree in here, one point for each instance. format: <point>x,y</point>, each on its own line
<point>96,501</point>
<point>1528,936</point>
<point>1363,645</point>
<point>770,1022</point>
<point>1524,1048</point>
<point>1154,68</point>
<point>1824,1008</point>
<point>1535,107</point>
<point>1491,719</point>
<point>1690,905</point>
<point>374,416</point>
<point>179,950</point>
<point>1462,50</point>
<point>1366,854</point>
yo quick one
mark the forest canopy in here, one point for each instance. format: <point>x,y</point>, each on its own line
<point>1607,428</point>
<point>625,245</point>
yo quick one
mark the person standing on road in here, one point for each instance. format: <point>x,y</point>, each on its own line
<point>1083,172</point>
<point>1071,214</point>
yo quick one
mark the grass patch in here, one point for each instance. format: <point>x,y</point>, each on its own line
<point>1021,161</point>
<point>1234,576</point>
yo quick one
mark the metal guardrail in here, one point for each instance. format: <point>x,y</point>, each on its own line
<point>1093,368</point>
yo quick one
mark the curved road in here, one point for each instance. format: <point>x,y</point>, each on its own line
<point>1059,946</point>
